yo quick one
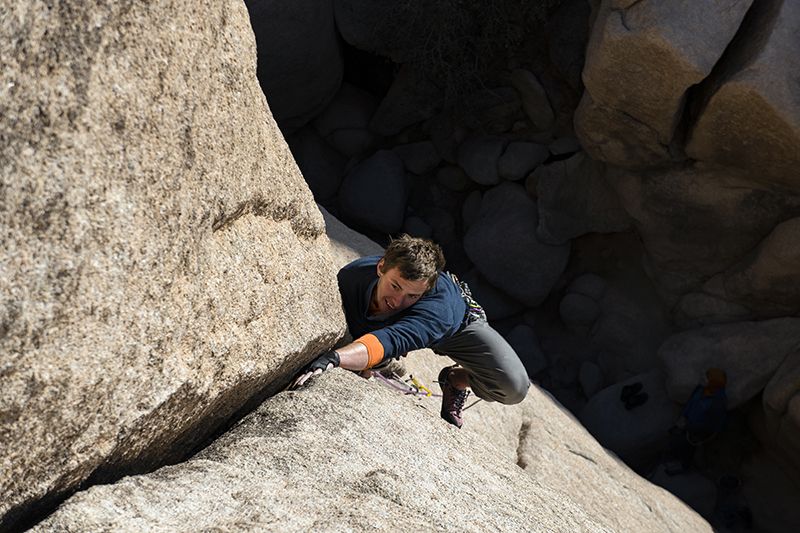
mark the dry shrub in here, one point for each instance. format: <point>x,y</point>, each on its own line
<point>459,44</point>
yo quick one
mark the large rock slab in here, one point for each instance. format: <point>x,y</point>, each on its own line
<point>162,260</point>
<point>299,58</point>
<point>752,118</point>
<point>546,441</point>
<point>749,352</point>
<point>502,244</point>
<point>641,59</point>
<point>317,459</point>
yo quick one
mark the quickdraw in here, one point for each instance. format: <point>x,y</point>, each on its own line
<point>419,386</point>
<point>412,386</point>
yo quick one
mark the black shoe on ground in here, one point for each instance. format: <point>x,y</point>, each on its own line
<point>636,400</point>
<point>630,390</point>
<point>453,399</point>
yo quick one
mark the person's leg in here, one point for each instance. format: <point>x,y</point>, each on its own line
<point>491,367</point>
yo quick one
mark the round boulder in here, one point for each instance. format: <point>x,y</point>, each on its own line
<point>479,156</point>
<point>579,311</point>
<point>520,158</point>
<point>344,123</point>
<point>502,244</point>
<point>373,193</point>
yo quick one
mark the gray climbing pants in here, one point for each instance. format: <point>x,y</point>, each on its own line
<point>496,373</point>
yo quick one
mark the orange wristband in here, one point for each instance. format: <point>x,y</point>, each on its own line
<point>374,348</point>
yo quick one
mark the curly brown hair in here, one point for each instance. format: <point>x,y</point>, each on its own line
<point>416,258</point>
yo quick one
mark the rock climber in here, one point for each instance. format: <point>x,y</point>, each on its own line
<point>404,301</point>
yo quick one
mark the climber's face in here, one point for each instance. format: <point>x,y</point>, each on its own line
<point>393,293</point>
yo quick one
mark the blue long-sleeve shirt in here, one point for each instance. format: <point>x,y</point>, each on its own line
<point>433,318</point>
<point>705,414</point>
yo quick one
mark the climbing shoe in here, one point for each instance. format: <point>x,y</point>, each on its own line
<point>453,399</point>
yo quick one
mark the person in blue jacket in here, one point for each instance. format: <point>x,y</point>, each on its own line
<point>404,301</point>
<point>702,418</point>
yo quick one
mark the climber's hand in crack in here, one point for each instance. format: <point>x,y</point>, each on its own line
<point>326,361</point>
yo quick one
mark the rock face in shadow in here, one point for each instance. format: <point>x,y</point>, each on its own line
<point>698,221</point>
<point>347,454</point>
<point>503,245</point>
<point>300,59</point>
<point>162,259</point>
